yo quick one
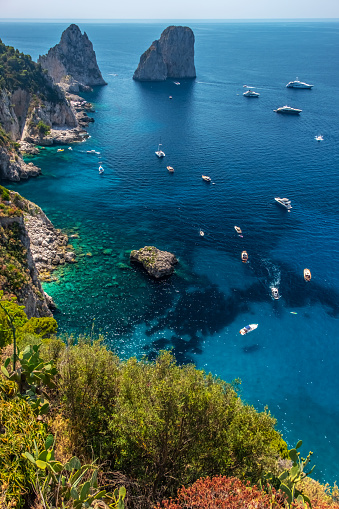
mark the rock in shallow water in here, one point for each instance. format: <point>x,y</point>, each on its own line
<point>157,263</point>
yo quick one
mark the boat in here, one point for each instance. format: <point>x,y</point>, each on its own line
<point>176,82</point>
<point>159,152</point>
<point>101,170</point>
<point>206,178</point>
<point>248,328</point>
<point>298,84</point>
<point>170,97</point>
<point>307,275</point>
<point>201,233</point>
<point>275,293</point>
<point>288,110</point>
<point>251,93</point>
<point>170,169</point>
<point>238,230</point>
<point>244,256</point>
<point>319,137</point>
<point>285,202</point>
<point>90,151</point>
<point>60,149</point>
<point>70,148</point>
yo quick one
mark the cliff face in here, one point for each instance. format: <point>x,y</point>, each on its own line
<point>30,247</point>
<point>72,63</point>
<point>172,56</point>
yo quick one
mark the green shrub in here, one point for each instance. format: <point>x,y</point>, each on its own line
<point>43,128</point>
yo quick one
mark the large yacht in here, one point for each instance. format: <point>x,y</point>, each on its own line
<point>251,93</point>
<point>285,202</point>
<point>298,84</point>
<point>288,110</point>
<point>159,152</point>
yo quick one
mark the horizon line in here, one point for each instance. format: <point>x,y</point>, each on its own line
<point>140,20</point>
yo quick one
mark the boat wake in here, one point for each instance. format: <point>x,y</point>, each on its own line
<point>272,277</point>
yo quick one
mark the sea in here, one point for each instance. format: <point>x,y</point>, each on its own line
<point>290,363</point>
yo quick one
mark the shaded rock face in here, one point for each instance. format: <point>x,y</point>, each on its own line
<point>172,56</point>
<point>157,263</point>
<point>12,166</point>
<point>72,63</point>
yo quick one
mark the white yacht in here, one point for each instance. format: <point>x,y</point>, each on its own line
<point>319,137</point>
<point>285,202</point>
<point>159,152</point>
<point>298,84</point>
<point>248,328</point>
<point>288,110</point>
<point>275,293</point>
<point>101,170</point>
<point>251,93</point>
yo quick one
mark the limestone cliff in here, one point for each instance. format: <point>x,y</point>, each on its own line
<point>30,247</point>
<point>72,63</point>
<point>172,56</point>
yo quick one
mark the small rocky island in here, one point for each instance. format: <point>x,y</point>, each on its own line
<point>72,63</point>
<point>172,56</point>
<point>157,263</point>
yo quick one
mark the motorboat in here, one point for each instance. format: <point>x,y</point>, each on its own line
<point>201,233</point>
<point>101,170</point>
<point>298,84</point>
<point>176,82</point>
<point>159,152</point>
<point>288,110</point>
<point>285,202</point>
<point>70,148</point>
<point>170,97</point>
<point>251,93</point>
<point>206,178</point>
<point>275,293</point>
<point>60,149</point>
<point>244,256</point>
<point>90,151</point>
<point>307,275</point>
<point>170,169</point>
<point>248,328</point>
<point>238,230</point>
<point>319,137</point>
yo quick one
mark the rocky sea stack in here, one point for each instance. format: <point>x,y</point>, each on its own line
<point>72,63</point>
<point>172,56</point>
<point>157,263</point>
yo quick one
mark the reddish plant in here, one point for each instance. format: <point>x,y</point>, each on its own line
<point>223,493</point>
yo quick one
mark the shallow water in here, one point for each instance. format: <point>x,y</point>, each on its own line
<point>291,362</point>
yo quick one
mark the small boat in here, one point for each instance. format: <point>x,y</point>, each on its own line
<point>248,328</point>
<point>170,97</point>
<point>70,148</point>
<point>101,170</point>
<point>288,110</point>
<point>298,84</point>
<point>176,82</point>
<point>251,93</point>
<point>307,274</point>
<point>285,202</point>
<point>201,233</point>
<point>160,153</point>
<point>90,151</point>
<point>238,230</point>
<point>244,256</point>
<point>206,178</point>
<point>60,149</point>
<point>170,169</point>
<point>275,293</point>
<point>319,137</point>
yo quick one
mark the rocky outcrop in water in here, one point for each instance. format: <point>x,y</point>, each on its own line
<point>72,63</point>
<point>172,56</point>
<point>157,263</point>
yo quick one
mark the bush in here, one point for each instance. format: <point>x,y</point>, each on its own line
<point>43,128</point>
<point>164,424</point>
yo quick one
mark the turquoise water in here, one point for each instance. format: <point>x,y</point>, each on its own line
<point>291,362</point>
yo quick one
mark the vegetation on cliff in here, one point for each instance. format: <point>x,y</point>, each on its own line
<point>18,70</point>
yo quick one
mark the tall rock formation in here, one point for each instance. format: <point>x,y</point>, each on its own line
<point>172,56</point>
<point>72,63</point>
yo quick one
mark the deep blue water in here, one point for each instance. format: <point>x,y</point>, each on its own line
<point>291,362</point>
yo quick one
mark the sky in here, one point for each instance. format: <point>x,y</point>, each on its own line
<point>175,9</point>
